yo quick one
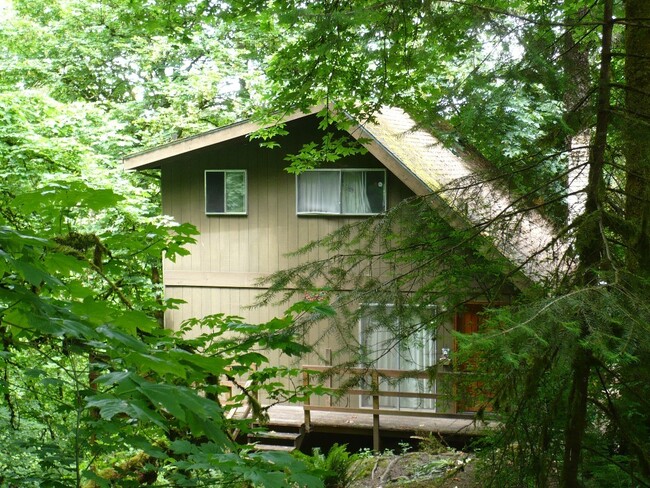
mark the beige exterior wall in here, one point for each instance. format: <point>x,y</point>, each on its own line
<point>234,252</point>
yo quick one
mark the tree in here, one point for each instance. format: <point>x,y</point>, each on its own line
<point>96,392</point>
<point>93,390</point>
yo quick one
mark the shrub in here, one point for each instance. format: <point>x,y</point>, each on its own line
<point>335,468</point>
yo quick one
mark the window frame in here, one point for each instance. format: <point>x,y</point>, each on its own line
<point>225,191</point>
<point>340,186</point>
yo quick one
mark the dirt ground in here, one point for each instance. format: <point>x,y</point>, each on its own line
<point>417,470</point>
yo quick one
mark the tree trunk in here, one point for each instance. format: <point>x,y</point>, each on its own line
<point>591,247</point>
<point>637,134</point>
<point>577,420</point>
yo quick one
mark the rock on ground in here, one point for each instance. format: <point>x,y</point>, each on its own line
<point>416,470</point>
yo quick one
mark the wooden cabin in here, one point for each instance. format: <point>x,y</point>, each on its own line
<point>251,213</point>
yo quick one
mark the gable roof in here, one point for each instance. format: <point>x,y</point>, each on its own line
<point>427,167</point>
<point>466,197</point>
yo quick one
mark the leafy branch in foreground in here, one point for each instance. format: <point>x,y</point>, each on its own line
<point>406,272</point>
<point>89,385</point>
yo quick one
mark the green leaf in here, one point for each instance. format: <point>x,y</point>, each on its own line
<point>114,377</point>
<point>215,365</point>
<point>133,320</point>
<point>182,447</point>
<point>159,363</point>
<point>64,264</point>
<point>109,407</point>
<point>260,477</point>
<point>93,310</point>
<point>34,275</point>
<point>211,427</point>
<point>141,411</point>
<point>120,338</point>
<point>164,396</point>
<point>52,382</point>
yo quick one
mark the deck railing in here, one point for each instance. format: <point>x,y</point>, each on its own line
<point>375,392</point>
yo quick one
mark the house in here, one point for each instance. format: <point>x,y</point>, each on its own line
<point>251,213</point>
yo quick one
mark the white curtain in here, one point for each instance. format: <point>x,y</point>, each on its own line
<point>415,353</point>
<point>235,191</point>
<point>379,345</point>
<point>418,353</point>
<point>353,192</point>
<point>318,192</point>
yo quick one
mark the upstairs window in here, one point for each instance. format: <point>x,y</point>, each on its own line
<point>341,191</point>
<point>225,192</point>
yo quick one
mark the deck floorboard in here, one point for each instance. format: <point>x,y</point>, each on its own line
<point>290,415</point>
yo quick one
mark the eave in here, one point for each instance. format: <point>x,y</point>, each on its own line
<point>154,157</point>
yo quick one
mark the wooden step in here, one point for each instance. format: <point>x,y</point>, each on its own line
<point>284,439</point>
<point>272,434</point>
<point>273,447</point>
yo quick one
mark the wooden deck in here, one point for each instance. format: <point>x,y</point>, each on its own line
<point>353,418</point>
<point>362,423</point>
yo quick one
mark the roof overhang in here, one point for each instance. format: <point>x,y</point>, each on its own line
<point>153,158</point>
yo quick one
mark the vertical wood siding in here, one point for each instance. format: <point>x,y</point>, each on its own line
<point>232,250</point>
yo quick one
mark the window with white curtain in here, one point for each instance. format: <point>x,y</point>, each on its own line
<point>341,191</point>
<point>381,344</point>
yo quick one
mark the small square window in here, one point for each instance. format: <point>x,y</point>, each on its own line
<point>341,192</point>
<point>225,192</point>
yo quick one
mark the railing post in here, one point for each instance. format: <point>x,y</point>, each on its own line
<point>305,383</point>
<point>328,362</point>
<point>375,408</point>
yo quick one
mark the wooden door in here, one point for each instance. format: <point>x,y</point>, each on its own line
<point>469,322</point>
